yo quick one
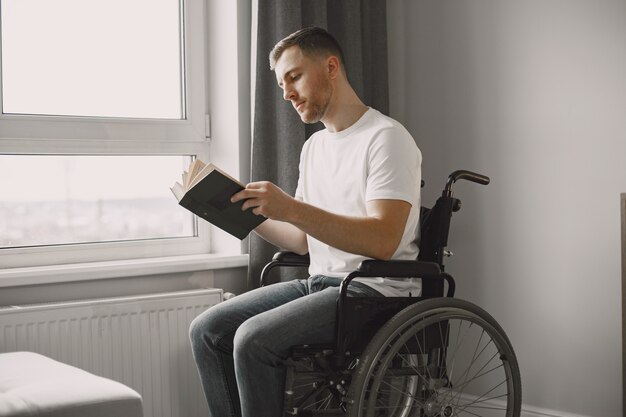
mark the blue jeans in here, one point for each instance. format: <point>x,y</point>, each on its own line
<point>240,345</point>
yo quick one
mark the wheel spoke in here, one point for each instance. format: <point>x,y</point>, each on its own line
<point>467,382</point>
<point>420,349</point>
<point>476,376</point>
<point>324,401</point>
<point>483,397</point>
<point>456,349</point>
<point>413,368</point>
<point>396,390</point>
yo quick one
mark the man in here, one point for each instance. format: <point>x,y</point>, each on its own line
<point>357,198</point>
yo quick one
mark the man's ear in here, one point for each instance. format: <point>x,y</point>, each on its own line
<point>333,66</point>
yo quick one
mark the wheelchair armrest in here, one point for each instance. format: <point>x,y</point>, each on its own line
<point>291,258</point>
<point>399,269</point>
<point>284,258</point>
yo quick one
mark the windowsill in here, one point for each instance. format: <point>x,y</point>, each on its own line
<point>14,277</point>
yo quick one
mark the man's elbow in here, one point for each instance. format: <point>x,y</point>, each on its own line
<point>301,247</point>
<point>385,251</point>
<point>385,238</point>
<point>385,256</point>
<point>301,251</point>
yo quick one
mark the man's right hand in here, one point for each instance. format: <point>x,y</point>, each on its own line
<point>266,199</point>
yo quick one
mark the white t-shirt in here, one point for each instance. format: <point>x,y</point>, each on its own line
<point>375,158</point>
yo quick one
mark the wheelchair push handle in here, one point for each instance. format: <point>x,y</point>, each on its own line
<point>463,174</point>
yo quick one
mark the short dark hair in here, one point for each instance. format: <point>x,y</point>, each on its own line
<point>311,40</point>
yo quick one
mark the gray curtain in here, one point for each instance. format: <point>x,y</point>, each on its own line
<point>360,27</point>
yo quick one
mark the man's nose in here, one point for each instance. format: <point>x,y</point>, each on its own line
<point>288,93</point>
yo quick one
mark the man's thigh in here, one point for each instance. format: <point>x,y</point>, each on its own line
<point>220,322</point>
<point>306,320</point>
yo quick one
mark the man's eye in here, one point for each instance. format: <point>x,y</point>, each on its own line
<point>295,77</point>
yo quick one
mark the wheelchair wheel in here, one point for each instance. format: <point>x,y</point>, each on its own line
<point>437,358</point>
<point>312,390</point>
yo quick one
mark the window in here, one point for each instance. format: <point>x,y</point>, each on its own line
<point>102,107</point>
<point>103,58</point>
<point>56,200</point>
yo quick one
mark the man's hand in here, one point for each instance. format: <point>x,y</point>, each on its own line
<point>266,199</point>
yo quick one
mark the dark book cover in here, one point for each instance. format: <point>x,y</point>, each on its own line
<point>210,200</point>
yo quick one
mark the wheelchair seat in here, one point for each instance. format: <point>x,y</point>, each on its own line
<point>429,355</point>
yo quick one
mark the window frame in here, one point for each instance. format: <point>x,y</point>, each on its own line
<point>66,135</point>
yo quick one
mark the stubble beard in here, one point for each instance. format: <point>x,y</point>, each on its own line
<point>315,114</point>
<point>318,106</point>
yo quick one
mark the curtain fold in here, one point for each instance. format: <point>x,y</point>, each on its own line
<point>360,26</point>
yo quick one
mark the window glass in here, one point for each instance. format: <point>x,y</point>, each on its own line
<point>104,58</point>
<point>64,199</point>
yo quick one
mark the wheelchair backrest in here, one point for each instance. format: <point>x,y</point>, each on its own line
<point>434,229</point>
<point>435,222</point>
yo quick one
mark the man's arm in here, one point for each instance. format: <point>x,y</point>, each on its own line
<point>284,235</point>
<point>376,235</point>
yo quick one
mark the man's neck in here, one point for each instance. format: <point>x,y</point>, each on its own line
<point>349,115</point>
<point>345,107</point>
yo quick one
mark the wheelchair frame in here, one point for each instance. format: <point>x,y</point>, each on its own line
<point>363,323</point>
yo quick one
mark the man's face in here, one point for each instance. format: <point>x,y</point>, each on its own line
<point>304,83</point>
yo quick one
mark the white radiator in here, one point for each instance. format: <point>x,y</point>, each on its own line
<point>141,341</point>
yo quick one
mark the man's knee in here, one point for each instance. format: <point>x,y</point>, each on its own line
<point>196,330</point>
<point>255,340</point>
<point>207,328</point>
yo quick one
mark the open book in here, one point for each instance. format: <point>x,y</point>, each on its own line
<point>206,191</point>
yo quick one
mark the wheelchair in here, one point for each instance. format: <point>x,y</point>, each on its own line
<point>430,355</point>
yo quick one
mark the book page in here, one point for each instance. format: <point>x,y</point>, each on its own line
<point>206,170</point>
<point>198,170</point>
<point>185,178</point>
<point>177,190</point>
<point>194,169</point>
<point>187,175</point>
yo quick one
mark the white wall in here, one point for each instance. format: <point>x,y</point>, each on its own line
<point>533,94</point>
<point>228,63</point>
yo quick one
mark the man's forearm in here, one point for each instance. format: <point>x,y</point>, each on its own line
<point>375,235</point>
<point>284,235</point>
<point>369,236</point>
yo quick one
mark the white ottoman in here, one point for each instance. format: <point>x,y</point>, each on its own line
<point>35,385</point>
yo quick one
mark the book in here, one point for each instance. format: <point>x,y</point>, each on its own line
<point>205,190</point>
